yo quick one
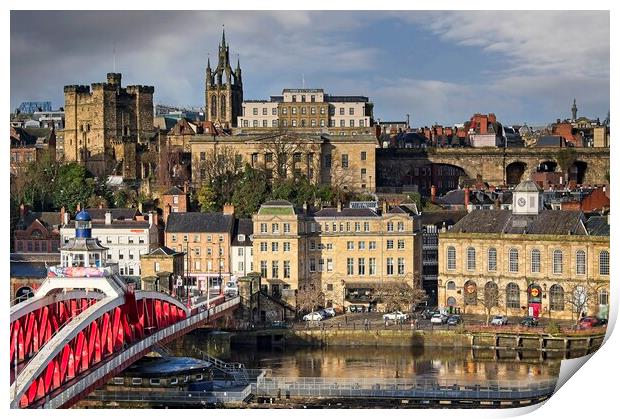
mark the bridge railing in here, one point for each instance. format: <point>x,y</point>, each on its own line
<point>131,352</point>
<point>206,396</point>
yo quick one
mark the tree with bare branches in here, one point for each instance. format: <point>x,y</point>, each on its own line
<point>309,296</point>
<point>400,295</point>
<point>579,297</point>
<point>490,299</point>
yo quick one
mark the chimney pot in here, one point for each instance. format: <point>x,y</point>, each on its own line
<point>229,209</point>
<point>108,218</point>
<point>433,193</point>
<point>466,191</point>
<point>62,216</point>
<point>339,206</point>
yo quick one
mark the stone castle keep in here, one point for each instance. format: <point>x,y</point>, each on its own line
<point>105,122</point>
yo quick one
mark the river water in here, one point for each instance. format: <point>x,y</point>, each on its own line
<point>375,362</point>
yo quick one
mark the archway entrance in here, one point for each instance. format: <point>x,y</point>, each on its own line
<point>578,172</point>
<point>534,300</point>
<point>547,166</point>
<point>23,294</point>
<point>514,172</point>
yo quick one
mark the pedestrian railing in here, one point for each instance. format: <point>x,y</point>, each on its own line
<point>206,396</point>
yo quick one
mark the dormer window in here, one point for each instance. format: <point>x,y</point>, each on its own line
<point>241,237</point>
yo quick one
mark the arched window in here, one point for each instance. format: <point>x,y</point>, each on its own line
<point>451,258</point>
<point>223,106</point>
<point>451,285</point>
<point>492,259</point>
<point>603,297</point>
<point>213,107</point>
<point>513,297</point>
<point>556,298</point>
<point>471,293</point>
<point>535,262</point>
<point>471,259</point>
<point>580,259</point>
<point>491,294</point>
<point>513,260</point>
<point>558,261</point>
<point>451,301</point>
<point>603,262</point>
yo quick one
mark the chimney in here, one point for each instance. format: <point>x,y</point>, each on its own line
<point>62,216</point>
<point>108,218</point>
<point>433,193</point>
<point>78,208</point>
<point>185,184</point>
<point>66,219</point>
<point>466,191</point>
<point>229,209</point>
<point>339,206</point>
<point>22,210</point>
<point>140,207</point>
<point>150,218</point>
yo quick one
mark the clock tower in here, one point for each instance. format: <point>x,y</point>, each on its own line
<point>527,199</point>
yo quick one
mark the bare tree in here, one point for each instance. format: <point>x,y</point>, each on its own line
<point>399,295</point>
<point>578,299</point>
<point>491,298</point>
<point>220,162</point>
<point>283,149</point>
<point>309,296</point>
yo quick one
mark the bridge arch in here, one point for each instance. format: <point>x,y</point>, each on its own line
<point>547,166</point>
<point>515,172</point>
<point>578,171</point>
<point>23,293</point>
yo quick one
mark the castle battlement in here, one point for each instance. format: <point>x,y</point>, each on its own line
<point>138,88</point>
<point>77,88</point>
<point>104,86</point>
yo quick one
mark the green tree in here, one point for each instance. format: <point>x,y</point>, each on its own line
<point>207,199</point>
<point>251,191</point>
<point>72,186</point>
<point>416,198</point>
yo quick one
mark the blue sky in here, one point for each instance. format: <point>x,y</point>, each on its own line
<point>437,66</point>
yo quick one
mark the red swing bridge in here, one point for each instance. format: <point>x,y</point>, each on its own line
<point>85,325</point>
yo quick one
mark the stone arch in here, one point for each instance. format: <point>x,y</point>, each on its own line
<point>547,166</point>
<point>515,172</point>
<point>577,171</point>
<point>24,293</point>
<point>471,293</point>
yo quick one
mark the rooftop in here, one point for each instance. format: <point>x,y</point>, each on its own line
<point>199,222</point>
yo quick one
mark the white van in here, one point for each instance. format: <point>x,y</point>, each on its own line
<point>231,289</point>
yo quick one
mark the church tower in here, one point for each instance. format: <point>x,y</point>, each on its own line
<point>223,89</point>
<point>574,109</point>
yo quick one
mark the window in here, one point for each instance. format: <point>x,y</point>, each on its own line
<point>203,157</point>
<point>401,226</point>
<point>350,263</point>
<point>263,227</point>
<point>263,268</point>
<point>197,265</point>
<point>535,262</point>
<point>512,296</point>
<point>372,245</point>
<point>390,266</point>
<point>240,266</point>
<point>287,269</point>
<point>451,258</point>
<point>275,228</point>
<point>390,226</point>
<point>345,161</point>
<point>136,381</point>
<point>254,111</point>
<point>450,286</point>
<point>451,301</point>
<point>274,246</point>
<point>330,265</point>
<point>341,111</point>
<point>350,245</point>
<point>312,265</point>
<point>603,297</point>
<point>312,245</point>
<point>357,226</point>
<point>401,266</point>
<point>471,293</point>
<point>558,261</point>
<point>286,246</point>
<point>401,244</point>
<point>366,226</point>
<point>581,262</point>
<point>513,260</point>
<point>362,123</point>
<point>361,267</point>
<point>274,269</point>
<point>492,259</point>
<point>556,298</point>
<point>389,244</point>
<point>372,266</point>
<point>471,259</point>
<point>352,123</point>
<point>603,262</point>
<point>363,156</point>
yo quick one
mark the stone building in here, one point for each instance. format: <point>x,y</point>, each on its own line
<point>104,123</point>
<point>161,268</point>
<point>174,200</point>
<point>541,263</point>
<point>31,145</point>
<point>347,252</point>
<point>346,161</point>
<point>223,89</point>
<point>206,239</point>
<point>37,232</point>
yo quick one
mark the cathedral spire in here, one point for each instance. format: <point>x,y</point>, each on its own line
<point>223,37</point>
<point>208,63</point>
<point>574,109</point>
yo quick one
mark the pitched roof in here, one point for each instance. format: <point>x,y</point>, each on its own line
<point>199,222</point>
<point>48,219</point>
<point>174,191</point>
<point>243,226</point>
<point>439,217</point>
<point>505,222</point>
<point>598,226</point>
<point>163,251</point>
<point>346,212</point>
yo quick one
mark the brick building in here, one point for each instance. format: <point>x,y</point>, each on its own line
<point>161,268</point>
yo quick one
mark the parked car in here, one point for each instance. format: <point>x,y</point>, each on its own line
<point>357,309</point>
<point>396,315</point>
<point>601,321</point>
<point>529,321</point>
<point>588,322</point>
<point>314,316</point>
<point>439,318</point>
<point>278,324</point>
<point>454,320</point>
<point>499,320</point>
<point>231,289</point>
<point>429,313</point>
<point>330,311</point>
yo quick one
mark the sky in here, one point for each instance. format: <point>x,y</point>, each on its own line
<point>438,67</point>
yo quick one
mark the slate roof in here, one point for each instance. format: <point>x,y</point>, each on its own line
<point>199,222</point>
<point>598,226</point>
<point>243,226</point>
<point>527,186</point>
<point>164,251</point>
<point>346,212</point>
<point>77,244</point>
<point>439,217</point>
<point>505,222</point>
<point>550,141</point>
<point>28,270</point>
<point>117,213</point>
<point>48,219</point>
<point>174,191</point>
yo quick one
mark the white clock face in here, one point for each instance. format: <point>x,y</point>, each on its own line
<point>521,201</point>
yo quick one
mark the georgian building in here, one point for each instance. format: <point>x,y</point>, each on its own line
<point>348,252</point>
<point>541,262</point>
<point>242,253</point>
